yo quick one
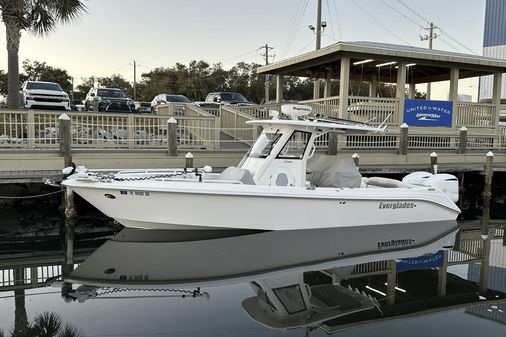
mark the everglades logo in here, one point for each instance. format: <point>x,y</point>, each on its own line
<point>396,205</point>
<point>395,243</point>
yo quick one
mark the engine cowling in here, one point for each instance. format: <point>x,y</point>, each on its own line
<point>447,183</point>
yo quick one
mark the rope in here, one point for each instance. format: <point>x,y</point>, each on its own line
<point>31,196</point>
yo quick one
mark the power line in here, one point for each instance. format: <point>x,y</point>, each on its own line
<point>442,31</point>
<point>307,45</point>
<point>295,27</point>
<point>381,24</point>
<point>292,27</point>
<point>331,20</point>
<point>402,14</point>
<point>337,21</point>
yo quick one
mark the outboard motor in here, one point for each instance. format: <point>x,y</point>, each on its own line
<point>447,183</point>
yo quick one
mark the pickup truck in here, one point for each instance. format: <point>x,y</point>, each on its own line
<point>39,94</point>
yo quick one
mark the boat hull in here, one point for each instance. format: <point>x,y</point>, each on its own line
<point>259,208</point>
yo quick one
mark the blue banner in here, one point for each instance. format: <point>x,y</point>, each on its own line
<point>421,262</point>
<point>421,112</point>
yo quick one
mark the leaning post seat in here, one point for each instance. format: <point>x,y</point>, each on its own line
<point>233,173</point>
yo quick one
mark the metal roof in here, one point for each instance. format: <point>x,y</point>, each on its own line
<point>431,64</point>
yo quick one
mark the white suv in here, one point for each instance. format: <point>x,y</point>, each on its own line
<point>44,95</point>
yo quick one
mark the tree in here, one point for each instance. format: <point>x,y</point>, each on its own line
<point>82,89</point>
<point>116,81</point>
<point>38,17</point>
<point>40,71</point>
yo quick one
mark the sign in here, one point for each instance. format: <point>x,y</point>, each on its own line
<point>421,262</point>
<point>420,112</point>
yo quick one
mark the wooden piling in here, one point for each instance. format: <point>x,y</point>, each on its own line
<point>485,266</point>
<point>433,163</point>
<point>332,147</point>
<point>403,140</point>
<point>487,195</point>
<point>188,161</point>
<point>442,276</point>
<point>356,159</point>
<point>65,139</point>
<point>391,282</point>
<point>70,215</point>
<point>462,140</point>
<point>172,136</point>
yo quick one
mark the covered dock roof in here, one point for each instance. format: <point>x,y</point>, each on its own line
<point>370,59</point>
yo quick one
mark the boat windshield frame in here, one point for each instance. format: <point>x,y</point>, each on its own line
<point>289,309</point>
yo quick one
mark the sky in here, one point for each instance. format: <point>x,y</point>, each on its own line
<point>156,33</point>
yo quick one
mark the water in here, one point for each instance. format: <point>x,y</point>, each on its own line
<point>231,304</point>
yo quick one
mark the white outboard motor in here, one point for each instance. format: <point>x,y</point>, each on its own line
<point>447,183</point>
<point>417,178</point>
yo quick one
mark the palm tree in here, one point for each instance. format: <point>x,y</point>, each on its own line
<point>36,16</point>
<point>47,324</point>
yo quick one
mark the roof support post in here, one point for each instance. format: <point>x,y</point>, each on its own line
<point>400,90</point>
<point>496,96</point>
<point>279,88</point>
<point>344,85</point>
<point>328,83</point>
<point>373,86</point>
<point>453,95</point>
<point>412,91</point>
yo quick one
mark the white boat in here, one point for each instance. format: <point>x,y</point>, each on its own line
<point>270,190</point>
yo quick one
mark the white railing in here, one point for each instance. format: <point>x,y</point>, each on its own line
<point>328,106</point>
<point>260,111</point>
<point>374,110</point>
<point>476,115</point>
<point>37,129</point>
<point>233,123</point>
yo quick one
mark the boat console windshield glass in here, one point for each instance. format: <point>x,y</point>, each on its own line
<point>264,144</point>
<point>291,298</point>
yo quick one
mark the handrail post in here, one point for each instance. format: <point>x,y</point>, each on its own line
<point>65,139</point>
<point>30,132</point>
<point>462,140</point>
<point>403,140</point>
<point>130,131</point>
<point>172,136</point>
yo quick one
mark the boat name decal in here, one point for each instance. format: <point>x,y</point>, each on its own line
<point>136,193</point>
<point>396,205</point>
<point>395,243</point>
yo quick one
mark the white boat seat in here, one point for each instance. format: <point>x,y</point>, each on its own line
<point>233,173</point>
<point>383,182</point>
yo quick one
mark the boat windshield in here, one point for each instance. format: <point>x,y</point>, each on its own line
<point>264,144</point>
<point>291,298</point>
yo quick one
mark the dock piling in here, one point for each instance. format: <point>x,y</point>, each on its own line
<point>433,163</point>
<point>172,136</point>
<point>65,139</point>
<point>403,140</point>
<point>356,159</point>
<point>487,194</point>
<point>462,140</point>
<point>332,147</point>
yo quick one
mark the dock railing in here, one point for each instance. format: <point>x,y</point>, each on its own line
<point>39,129</point>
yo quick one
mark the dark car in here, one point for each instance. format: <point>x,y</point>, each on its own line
<point>108,100</point>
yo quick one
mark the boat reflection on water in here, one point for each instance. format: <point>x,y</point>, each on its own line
<point>288,271</point>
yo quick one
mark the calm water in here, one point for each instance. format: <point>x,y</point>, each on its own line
<point>415,309</point>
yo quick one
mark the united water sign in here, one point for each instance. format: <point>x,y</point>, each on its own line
<point>419,112</point>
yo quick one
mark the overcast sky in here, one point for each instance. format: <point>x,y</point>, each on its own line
<point>155,33</point>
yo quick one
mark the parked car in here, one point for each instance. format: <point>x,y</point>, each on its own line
<point>167,98</point>
<point>227,98</point>
<point>40,94</point>
<point>109,100</point>
<point>143,107</point>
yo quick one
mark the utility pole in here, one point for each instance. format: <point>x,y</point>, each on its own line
<point>318,32</point>
<point>429,37</point>
<point>267,83</point>
<point>135,80</point>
